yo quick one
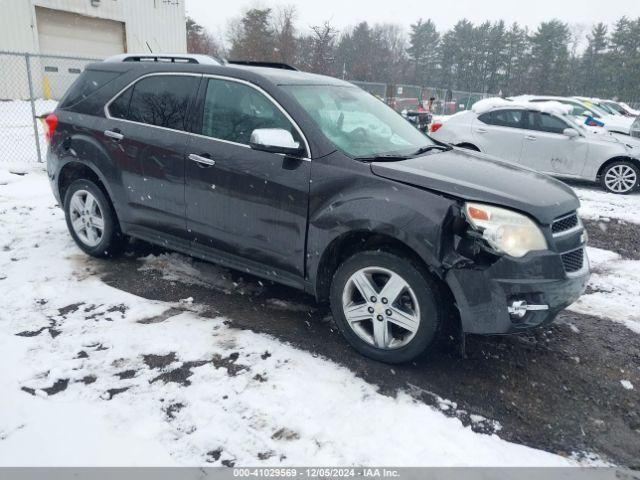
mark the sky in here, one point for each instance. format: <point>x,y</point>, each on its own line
<point>215,14</point>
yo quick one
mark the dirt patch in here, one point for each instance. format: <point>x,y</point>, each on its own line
<point>181,374</point>
<point>59,386</point>
<point>172,410</point>
<point>109,394</point>
<point>64,311</point>
<point>285,434</point>
<point>172,312</point>
<point>615,235</point>
<point>127,374</point>
<point>158,362</point>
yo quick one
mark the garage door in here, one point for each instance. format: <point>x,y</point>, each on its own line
<point>65,33</point>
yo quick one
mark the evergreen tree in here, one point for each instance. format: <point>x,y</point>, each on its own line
<point>549,58</point>
<point>253,38</point>
<point>423,51</point>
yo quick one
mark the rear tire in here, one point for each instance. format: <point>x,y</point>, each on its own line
<point>620,177</point>
<point>92,221</point>
<point>393,330</point>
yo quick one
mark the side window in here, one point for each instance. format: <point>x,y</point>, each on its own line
<point>119,108</point>
<point>503,118</point>
<point>544,122</point>
<point>86,85</point>
<point>232,111</point>
<point>160,100</point>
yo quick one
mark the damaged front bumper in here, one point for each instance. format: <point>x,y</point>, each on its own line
<point>488,297</point>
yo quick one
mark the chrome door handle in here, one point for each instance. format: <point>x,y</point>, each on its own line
<point>531,138</point>
<point>115,135</point>
<point>202,160</point>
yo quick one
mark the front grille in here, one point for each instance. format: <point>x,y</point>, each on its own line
<point>565,223</point>
<point>573,261</point>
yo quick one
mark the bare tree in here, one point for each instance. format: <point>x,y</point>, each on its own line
<point>321,46</point>
<point>285,34</point>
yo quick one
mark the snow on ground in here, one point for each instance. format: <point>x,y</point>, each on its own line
<point>614,289</point>
<point>94,376</point>
<point>598,204</point>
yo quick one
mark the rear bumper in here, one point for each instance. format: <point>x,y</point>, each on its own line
<point>483,294</point>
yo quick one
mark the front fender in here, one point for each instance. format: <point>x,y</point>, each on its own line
<point>407,214</point>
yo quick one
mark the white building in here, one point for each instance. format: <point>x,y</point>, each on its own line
<point>81,28</point>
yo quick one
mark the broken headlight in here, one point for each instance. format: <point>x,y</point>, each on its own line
<point>504,230</point>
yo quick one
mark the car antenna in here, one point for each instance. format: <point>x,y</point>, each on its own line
<point>148,46</point>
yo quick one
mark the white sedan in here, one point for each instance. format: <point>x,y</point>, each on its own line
<point>545,137</point>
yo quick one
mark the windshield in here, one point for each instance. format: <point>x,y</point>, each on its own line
<point>575,122</point>
<point>595,109</point>
<point>358,123</point>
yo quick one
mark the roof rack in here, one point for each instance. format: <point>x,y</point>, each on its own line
<point>163,58</point>
<point>250,63</point>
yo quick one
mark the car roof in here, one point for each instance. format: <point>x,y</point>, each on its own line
<point>277,76</point>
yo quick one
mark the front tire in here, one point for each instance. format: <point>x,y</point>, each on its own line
<point>620,177</point>
<point>91,220</point>
<point>385,307</point>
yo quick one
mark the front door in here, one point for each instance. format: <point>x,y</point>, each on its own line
<point>250,205</point>
<point>146,136</point>
<point>547,149</point>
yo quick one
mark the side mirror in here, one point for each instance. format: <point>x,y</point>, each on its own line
<point>570,132</point>
<point>275,140</point>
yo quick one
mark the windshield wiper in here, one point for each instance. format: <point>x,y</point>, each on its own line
<point>383,158</point>
<point>428,148</point>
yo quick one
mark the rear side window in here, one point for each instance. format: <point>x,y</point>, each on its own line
<point>503,118</point>
<point>161,100</point>
<point>232,111</point>
<point>86,85</point>
<point>543,122</point>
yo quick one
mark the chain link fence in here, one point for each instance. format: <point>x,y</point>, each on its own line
<point>440,101</point>
<point>30,87</point>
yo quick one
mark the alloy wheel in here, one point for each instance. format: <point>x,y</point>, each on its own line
<point>620,178</point>
<point>381,308</point>
<point>86,218</point>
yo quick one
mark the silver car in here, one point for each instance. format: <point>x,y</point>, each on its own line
<point>547,138</point>
<point>635,128</point>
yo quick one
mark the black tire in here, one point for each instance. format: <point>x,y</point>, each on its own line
<point>426,292</point>
<point>619,164</point>
<point>112,241</point>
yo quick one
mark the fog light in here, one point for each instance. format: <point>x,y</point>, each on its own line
<point>519,308</point>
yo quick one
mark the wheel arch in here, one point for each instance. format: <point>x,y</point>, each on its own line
<point>74,170</point>
<point>619,158</point>
<point>349,243</point>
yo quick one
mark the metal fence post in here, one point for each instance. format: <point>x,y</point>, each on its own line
<point>33,107</point>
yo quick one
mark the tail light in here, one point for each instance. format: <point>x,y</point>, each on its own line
<point>50,124</point>
<point>435,126</point>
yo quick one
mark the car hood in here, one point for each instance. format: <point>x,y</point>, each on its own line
<point>631,144</point>
<point>476,177</point>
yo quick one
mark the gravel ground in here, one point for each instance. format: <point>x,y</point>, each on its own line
<point>557,389</point>
<point>615,235</point>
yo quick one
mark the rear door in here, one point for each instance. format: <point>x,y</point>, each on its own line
<point>547,149</point>
<point>499,133</point>
<point>250,205</point>
<point>145,134</point>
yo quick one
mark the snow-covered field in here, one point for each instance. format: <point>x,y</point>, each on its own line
<point>92,375</point>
